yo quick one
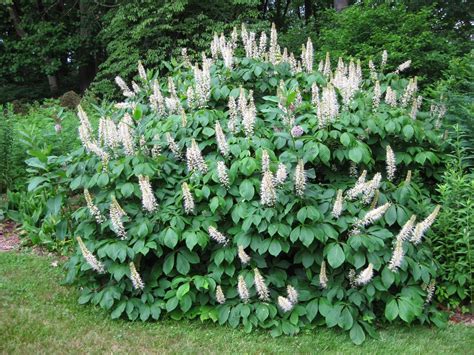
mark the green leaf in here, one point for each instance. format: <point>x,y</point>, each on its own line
<point>391,215</point>
<point>312,309</point>
<point>408,131</point>
<point>247,190</point>
<point>262,312</point>
<point>391,310</point>
<point>182,290</point>
<point>117,312</point>
<point>355,154</point>
<point>275,247</point>
<point>302,214</point>
<point>127,189</point>
<point>345,139</point>
<point>345,320</point>
<point>171,238</point>
<point>336,255</point>
<point>182,264</point>
<point>357,334</point>
<point>34,182</point>
<point>168,264</point>
<point>155,310</point>
<point>388,277</point>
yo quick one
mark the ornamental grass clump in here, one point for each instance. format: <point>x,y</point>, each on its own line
<point>228,191</point>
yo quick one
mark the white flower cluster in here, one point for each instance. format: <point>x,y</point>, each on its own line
<point>365,188</point>
<point>217,236</point>
<point>222,174</point>
<point>365,276</point>
<point>327,107</point>
<point>287,303</point>
<point>307,56</point>
<point>300,179</point>
<point>157,101</point>
<point>124,87</point>
<point>93,209</point>
<point>188,200</point>
<point>108,133</point>
<point>430,289</point>
<point>410,92</point>
<point>260,286</point>
<point>220,295</point>
<point>135,277</point>
<point>148,198</point>
<point>90,258</point>
<point>391,163</point>
<point>233,114</point>
<point>221,141</point>
<point>403,66</point>
<point>337,208</point>
<point>173,146</point>
<point>323,278</point>
<point>281,175</point>
<point>202,89</point>
<point>125,130</point>
<point>423,226</point>
<point>85,134</point>
<point>194,159</point>
<point>391,97</point>
<point>248,112</point>
<point>242,289</point>
<point>116,214</point>
<point>372,216</point>
<point>347,79</point>
<point>377,95</point>
<point>268,196</point>
<point>243,256</point>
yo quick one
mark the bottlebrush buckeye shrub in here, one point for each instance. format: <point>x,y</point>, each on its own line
<point>255,190</point>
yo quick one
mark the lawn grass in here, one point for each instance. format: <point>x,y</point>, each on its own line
<point>38,315</point>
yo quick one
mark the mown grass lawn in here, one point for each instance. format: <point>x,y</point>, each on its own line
<point>38,315</point>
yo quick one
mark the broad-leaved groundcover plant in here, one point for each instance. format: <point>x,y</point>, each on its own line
<point>259,189</point>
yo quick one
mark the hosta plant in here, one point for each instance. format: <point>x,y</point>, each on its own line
<point>259,190</point>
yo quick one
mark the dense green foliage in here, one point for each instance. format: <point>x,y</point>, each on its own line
<point>288,239</point>
<point>34,130</point>
<point>453,238</point>
<point>364,32</point>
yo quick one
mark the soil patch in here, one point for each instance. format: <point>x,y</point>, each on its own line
<point>9,239</point>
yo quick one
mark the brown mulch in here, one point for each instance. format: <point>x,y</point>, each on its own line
<point>467,319</point>
<point>9,239</point>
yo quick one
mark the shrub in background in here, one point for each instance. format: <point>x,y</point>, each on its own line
<point>258,191</point>
<point>453,237</point>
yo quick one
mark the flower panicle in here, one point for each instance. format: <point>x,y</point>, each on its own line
<point>188,200</point>
<point>243,256</point>
<point>365,276</point>
<point>217,236</point>
<point>137,281</point>
<point>93,209</point>
<point>338,204</point>
<point>148,198</point>
<point>268,195</point>
<point>323,279</point>
<point>261,287</point>
<point>89,257</point>
<point>220,295</point>
<point>242,289</point>
<point>423,226</point>
<point>300,179</point>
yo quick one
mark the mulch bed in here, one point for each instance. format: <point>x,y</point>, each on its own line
<point>9,239</point>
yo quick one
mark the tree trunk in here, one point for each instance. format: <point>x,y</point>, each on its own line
<point>340,5</point>
<point>308,10</point>
<point>53,84</point>
<point>87,65</point>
